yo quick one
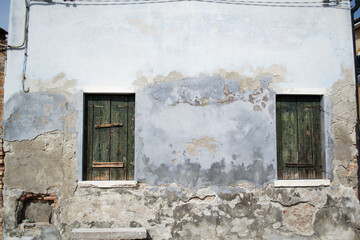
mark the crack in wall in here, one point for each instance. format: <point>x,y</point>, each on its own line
<point>197,198</point>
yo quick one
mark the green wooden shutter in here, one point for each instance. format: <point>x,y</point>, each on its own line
<point>109,137</point>
<point>298,124</point>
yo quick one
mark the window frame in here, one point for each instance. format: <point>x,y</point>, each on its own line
<point>298,127</point>
<point>327,144</point>
<point>131,182</point>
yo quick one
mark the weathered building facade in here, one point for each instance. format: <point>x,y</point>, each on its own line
<point>189,119</point>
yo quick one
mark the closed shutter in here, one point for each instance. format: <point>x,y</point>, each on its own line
<point>109,137</point>
<point>298,124</point>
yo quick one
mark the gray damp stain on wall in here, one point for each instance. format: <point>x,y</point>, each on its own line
<point>28,115</point>
<point>209,130</point>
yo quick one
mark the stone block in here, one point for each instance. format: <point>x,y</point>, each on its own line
<point>108,233</point>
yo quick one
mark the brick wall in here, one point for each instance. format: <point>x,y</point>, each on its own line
<point>2,76</point>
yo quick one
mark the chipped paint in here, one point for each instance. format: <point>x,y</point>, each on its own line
<point>60,83</point>
<point>195,145</point>
<point>143,80</point>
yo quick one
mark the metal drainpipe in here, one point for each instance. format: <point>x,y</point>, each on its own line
<point>353,10</point>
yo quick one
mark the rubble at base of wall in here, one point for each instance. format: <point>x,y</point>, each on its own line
<point>170,211</point>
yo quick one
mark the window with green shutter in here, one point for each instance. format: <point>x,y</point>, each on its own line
<point>109,137</point>
<point>298,125</point>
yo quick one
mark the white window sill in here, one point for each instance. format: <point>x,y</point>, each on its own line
<point>302,183</point>
<point>108,184</point>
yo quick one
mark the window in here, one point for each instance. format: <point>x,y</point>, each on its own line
<point>298,126</point>
<point>109,137</point>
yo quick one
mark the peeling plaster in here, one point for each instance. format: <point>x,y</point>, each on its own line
<point>252,80</point>
<point>143,80</point>
<point>343,127</point>
<point>58,84</point>
<point>205,142</point>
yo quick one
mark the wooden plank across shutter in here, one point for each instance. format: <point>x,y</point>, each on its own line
<point>109,137</point>
<point>298,124</point>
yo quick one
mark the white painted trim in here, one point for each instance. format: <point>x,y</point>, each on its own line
<point>109,90</point>
<point>302,183</point>
<point>302,91</point>
<point>108,184</point>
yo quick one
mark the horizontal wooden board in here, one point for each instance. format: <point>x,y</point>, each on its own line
<point>108,125</point>
<point>108,164</point>
<point>297,165</point>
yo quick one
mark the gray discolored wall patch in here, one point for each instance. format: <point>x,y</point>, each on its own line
<point>210,132</point>
<point>28,115</point>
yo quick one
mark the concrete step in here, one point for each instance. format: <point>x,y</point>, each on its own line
<point>108,233</point>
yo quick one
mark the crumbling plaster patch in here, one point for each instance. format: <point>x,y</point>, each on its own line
<point>40,164</point>
<point>45,164</point>
<point>173,212</point>
<point>343,127</point>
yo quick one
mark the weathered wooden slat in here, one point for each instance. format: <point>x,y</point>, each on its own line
<point>108,165</point>
<point>109,125</point>
<point>89,135</point>
<point>118,136</point>
<point>310,135</point>
<point>131,138</point>
<point>102,139</point>
<point>289,141</point>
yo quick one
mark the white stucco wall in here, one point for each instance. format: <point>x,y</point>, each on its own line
<point>108,47</point>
